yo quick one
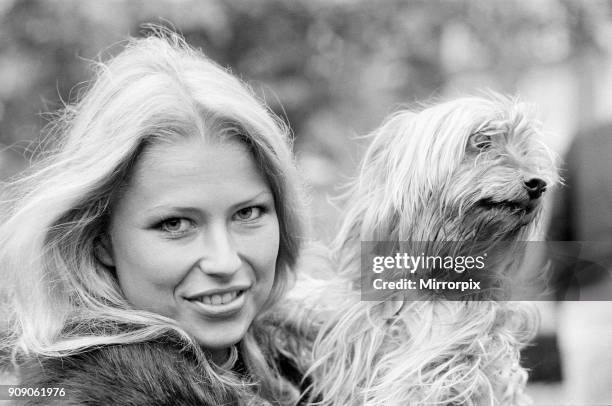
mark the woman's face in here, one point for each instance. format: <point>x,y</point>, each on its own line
<point>195,237</point>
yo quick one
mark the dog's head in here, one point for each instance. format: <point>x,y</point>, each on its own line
<point>469,169</point>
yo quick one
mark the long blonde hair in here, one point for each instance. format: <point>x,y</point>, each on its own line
<point>61,299</point>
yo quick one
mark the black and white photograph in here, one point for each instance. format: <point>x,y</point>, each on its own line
<point>306,202</point>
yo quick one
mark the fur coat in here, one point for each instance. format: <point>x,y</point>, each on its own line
<point>160,372</point>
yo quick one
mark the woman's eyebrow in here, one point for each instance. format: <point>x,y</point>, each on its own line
<point>261,195</point>
<point>264,194</point>
<point>172,208</point>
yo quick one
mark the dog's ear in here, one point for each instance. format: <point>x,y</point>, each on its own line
<point>103,250</point>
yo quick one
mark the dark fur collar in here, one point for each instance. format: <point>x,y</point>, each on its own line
<point>159,372</point>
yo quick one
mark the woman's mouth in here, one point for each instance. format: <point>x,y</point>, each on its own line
<point>219,299</point>
<point>219,304</point>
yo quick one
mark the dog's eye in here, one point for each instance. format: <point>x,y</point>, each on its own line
<point>479,141</point>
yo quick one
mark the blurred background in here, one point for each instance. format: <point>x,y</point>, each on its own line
<point>333,69</point>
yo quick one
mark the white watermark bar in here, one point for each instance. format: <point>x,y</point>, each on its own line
<point>486,270</point>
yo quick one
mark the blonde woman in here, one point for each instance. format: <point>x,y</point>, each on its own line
<point>140,255</point>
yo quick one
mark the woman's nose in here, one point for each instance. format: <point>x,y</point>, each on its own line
<point>219,254</point>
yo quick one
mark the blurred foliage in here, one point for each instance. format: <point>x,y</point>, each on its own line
<point>305,57</point>
<point>331,68</point>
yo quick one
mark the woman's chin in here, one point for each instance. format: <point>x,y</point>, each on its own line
<point>220,337</point>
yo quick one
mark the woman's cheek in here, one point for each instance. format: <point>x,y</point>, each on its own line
<point>266,249</point>
<point>150,275</point>
<point>155,260</point>
<point>263,247</point>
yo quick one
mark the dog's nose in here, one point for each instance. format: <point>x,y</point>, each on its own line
<point>535,187</point>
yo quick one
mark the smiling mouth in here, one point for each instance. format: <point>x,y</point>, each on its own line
<point>218,299</point>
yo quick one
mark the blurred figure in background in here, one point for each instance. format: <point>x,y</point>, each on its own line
<point>583,213</point>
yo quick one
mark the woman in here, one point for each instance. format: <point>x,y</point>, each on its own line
<point>141,254</point>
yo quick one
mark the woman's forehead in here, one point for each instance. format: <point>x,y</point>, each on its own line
<point>193,166</point>
<point>185,154</point>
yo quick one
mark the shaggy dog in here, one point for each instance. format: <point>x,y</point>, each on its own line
<point>464,171</point>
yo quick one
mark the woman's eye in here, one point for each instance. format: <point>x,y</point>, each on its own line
<point>480,141</point>
<point>248,213</point>
<point>175,225</point>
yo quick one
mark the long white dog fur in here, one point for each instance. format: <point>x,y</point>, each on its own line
<point>472,169</point>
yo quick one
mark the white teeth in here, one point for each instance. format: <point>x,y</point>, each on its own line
<point>219,299</point>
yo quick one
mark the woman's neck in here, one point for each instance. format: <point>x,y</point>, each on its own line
<point>219,357</point>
